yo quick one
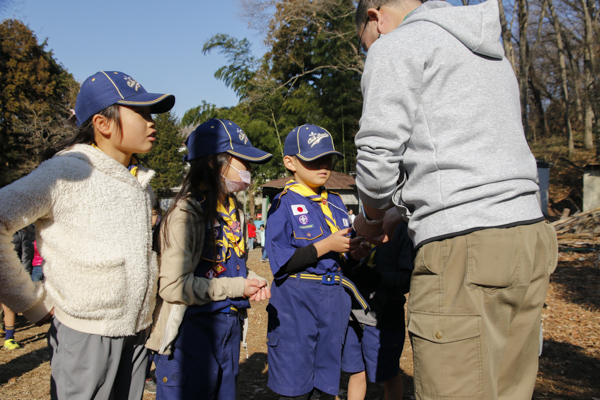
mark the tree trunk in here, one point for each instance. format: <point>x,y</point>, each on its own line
<point>563,77</point>
<point>589,68</point>
<point>575,73</point>
<point>523,64</point>
<point>277,132</point>
<point>537,98</point>
<point>534,83</point>
<point>251,210</point>
<point>508,48</point>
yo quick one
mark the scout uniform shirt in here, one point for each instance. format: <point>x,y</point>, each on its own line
<point>225,260</point>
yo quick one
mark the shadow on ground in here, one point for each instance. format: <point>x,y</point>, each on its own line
<point>584,292</point>
<point>23,364</point>
<point>567,372</point>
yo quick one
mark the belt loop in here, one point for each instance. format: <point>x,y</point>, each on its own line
<point>297,284</point>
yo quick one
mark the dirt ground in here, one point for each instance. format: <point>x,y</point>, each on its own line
<point>569,365</point>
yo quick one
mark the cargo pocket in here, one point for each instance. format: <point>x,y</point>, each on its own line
<point>170,375</point>
<point>447,355</point>
<point>272,339</point>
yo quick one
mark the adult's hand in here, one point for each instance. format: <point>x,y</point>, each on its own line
<point>361,251</point>
<point>372,233</point>
<point>390,223</point>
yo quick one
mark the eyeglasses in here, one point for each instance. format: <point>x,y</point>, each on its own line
<point>362,32</point>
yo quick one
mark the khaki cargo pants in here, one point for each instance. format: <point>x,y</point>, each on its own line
<point>475,311</point>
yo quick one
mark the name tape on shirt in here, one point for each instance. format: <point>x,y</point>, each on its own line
<point>299,209</point>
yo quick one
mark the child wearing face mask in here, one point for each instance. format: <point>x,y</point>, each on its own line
<point>204,286</point>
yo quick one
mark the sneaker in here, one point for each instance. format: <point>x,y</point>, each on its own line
<point>150,385</point>
<point>263,260</point>
<point>10,344</point>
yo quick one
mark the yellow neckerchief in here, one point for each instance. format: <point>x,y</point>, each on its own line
<point>133,165</point>
<point>233,233</point>
<point>322,200</point>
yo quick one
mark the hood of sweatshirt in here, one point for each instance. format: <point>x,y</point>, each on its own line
<point>477,27</point>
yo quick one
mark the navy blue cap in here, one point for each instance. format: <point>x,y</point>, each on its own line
<point>222,136</point>
<point>105,88</point>
<point>309,142</point>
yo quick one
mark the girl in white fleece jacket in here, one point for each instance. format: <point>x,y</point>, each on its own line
<point>91,204</point>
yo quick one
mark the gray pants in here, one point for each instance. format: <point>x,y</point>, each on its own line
<point>86,366</point>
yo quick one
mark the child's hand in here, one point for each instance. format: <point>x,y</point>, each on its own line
<point>251,286</point>
<point>263,294</point>
<point>337,242</point>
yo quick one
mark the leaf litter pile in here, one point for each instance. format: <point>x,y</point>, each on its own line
<point>569,365</point>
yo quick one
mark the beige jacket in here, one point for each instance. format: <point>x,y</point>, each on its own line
<point>178,287</point>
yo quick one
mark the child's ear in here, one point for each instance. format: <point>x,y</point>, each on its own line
<point>288,161</point>
<point>102,124</point>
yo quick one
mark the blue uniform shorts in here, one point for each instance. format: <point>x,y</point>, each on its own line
<point>375,350</point>
<point>307,327</point>
<point>205,360</point>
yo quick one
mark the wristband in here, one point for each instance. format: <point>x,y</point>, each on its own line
<point>369,221</point>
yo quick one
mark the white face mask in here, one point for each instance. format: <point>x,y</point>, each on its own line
<point>238,186</point>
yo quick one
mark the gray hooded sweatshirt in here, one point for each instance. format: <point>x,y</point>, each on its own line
<point>441,100</point>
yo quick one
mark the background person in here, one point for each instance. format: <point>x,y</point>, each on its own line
<point>262,233</point>
<point>374,340</point>
<point>441,102</point>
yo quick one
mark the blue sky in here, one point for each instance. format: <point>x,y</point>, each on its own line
<point>159,43</point>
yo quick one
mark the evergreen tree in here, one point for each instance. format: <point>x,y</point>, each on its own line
<point>36,95</point>
<point>166,157</point>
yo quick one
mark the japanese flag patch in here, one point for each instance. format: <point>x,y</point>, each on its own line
<point>299,209</point>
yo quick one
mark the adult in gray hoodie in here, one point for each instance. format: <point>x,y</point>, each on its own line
<point>441,137</point>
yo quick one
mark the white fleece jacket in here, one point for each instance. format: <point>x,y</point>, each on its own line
<point>93,229</point>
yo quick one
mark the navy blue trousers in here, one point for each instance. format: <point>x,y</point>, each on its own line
<point>205,362</point>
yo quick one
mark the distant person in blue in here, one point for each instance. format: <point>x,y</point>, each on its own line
<point>262,233</point>
<point>204,286</point>
<point>307,243</point>
<point>374,341</point>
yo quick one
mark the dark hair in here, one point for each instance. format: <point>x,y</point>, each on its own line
<point>85,134</point>
<point>156,205</point>
<point>203,179</point>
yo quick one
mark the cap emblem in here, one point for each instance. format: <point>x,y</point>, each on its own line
<point>132,83</point>
<point>242,136</point>
<point>315,138</point>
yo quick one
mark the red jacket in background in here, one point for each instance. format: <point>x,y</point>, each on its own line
<point>251,230</point>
